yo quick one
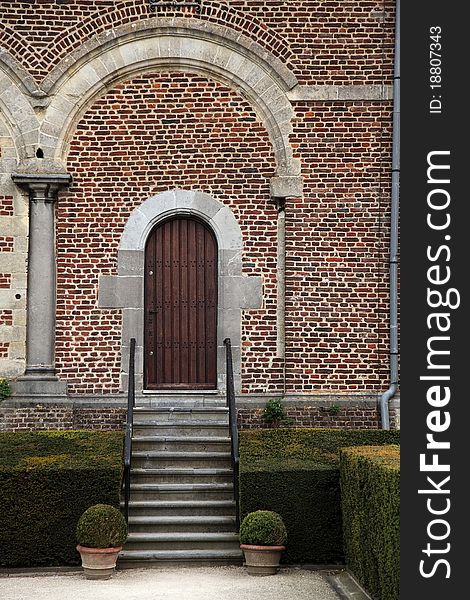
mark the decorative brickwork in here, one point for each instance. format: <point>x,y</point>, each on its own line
<point>333,41</point>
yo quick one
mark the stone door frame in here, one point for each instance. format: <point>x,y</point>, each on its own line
<point>126,290</point>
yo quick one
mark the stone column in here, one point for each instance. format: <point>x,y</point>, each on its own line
<point>39,377</point>
<point>283,188</point>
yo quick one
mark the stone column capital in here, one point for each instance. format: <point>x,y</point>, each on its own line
<point>42,187</point>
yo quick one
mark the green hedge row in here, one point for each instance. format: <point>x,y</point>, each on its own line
<point>295,472</point>
<point>370,491</point>
<point>47,480</point>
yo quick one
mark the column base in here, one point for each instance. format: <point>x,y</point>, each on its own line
<point>40,384</point>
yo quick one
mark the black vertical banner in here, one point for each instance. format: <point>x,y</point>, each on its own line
<point>435,367</point>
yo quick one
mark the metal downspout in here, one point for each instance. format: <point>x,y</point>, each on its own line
<point>388,395</point>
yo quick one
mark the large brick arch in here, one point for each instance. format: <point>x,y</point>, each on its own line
<point>211,50</point>
<point>74,25</point>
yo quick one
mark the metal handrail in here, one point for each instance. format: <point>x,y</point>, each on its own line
<point>129,429</point>
<point>232,412</point>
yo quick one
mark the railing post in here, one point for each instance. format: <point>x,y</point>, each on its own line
<point>232,411</point>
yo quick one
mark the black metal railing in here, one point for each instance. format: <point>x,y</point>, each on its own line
<point>129,428</point>
<point>232,411</point>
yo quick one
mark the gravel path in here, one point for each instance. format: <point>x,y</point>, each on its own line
<point>188,583</point>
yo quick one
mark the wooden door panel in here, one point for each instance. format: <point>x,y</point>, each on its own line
<point>181,306</point>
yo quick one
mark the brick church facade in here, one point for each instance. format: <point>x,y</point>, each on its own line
<point>185,174</point>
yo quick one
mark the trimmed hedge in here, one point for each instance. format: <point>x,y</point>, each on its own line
<point>47,480</point>
<point>370,490</point>
<point>295,472</point>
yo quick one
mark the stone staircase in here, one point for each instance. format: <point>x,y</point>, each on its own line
<point>181,506</point>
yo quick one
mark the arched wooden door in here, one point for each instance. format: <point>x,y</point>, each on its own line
<point>181,306</point>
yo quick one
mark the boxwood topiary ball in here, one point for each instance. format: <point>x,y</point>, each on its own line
<point>263,528</point>
<point>101,526</point>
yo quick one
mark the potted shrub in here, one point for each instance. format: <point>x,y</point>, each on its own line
<point>262,538</point>
<point>101,533</point>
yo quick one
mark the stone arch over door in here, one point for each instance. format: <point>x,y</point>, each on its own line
<point>126,290</point>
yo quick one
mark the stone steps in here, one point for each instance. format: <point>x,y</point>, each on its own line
<point>193,524</point>
<point>154,508</point>
<point>182,475</point>
<point>178,443</point>
<point>139,558</point>
<point>152,459</point>
<point>190,414</point>
<point>181,507</point>
<point>184,540</point>
<point>179,428</point>
<point>181,491</point>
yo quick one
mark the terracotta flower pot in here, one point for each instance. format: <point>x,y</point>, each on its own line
<point>262,560</point>
<point>98,563</point>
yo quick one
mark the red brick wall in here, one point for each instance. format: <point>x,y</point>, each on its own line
<point>337,251</point>
<point>322,41</point>
<point>167,130</point>
<point>153,133</point>
<point>313,416</point>
<point>161,131</point>
<point>6,317</point>
<point>5,280</point>
<point>6,243</point>
<point>58,417</point>
<point>6,206</point>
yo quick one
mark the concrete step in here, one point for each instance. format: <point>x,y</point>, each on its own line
<point>182,541</point>
<point>191,414</point>
<point>181,508</point>
<point>151,459</point>
<point>178,443</point>
<point>175,491</point>
<point>182,475</point>
<point>135,558</point>
<point>193,399</point>
<point>180,428</point>
<point>180,524</point>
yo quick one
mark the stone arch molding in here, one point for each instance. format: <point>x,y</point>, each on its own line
<point>15,106</point>
<point>126,290</point>
<point>182,43</point>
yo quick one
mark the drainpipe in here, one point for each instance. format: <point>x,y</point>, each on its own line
<point>388,395</point>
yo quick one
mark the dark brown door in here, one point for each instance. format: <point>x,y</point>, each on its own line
<point>181,306</point>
